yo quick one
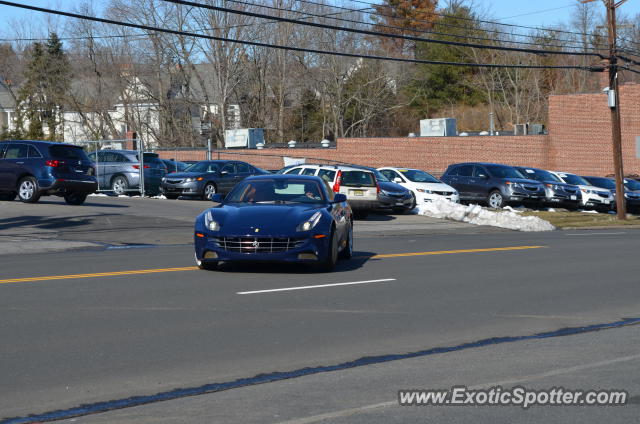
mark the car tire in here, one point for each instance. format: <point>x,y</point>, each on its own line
<point>496,200</point>
<point>75,198</point>
<point>209,190</point>
<point>347,251</point>
<point>8,197</point>
<point>171,196</point>
<point>332,255</point>
<point>414,203</point>
<point>207,265</point>
<point>119,185</point>
<point>28,191</point>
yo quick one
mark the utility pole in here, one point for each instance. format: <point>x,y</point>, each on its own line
<point>613,98</point>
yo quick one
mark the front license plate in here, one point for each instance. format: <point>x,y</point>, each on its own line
<point>574,198</point>
<point>170,189</point>
<point>606,202</point>
<point>357,192</point>
<point>399,204</point>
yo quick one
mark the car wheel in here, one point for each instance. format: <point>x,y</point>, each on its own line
<point>332,255</point>
<point>414,203</point>
<point>119,185</point>
<point>496,199</point>
<point>28,190</point>
<point>75,198</point>
<point>209,190</point>
<point>347,251</point>
<point>171,196</point>
<point>207,265</point>
<point>8,196</point>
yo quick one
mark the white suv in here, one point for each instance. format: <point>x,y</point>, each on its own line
<point>359,185</point>
<point>592,197</point>
<point>424,186</point>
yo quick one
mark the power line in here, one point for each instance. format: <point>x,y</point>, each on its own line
<point>448,25</point>
<point>464,18</point>
<point>289,48</point>
<point>379,34</point>
<point>412,30</point>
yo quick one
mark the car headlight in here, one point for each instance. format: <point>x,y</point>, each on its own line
<point>585,190</point>
<point>192,179</point>
<point>422,190</point>
<point>513,185</point>
<point>310,223</point>
<point>210,223</point>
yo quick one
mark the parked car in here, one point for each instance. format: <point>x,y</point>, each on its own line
<point>632,198</point>
<point>592,197</point>
<point>174,165</point>
<point>31,169</point>
<point>118,171</point>
<point>358,184</point>
<point>424,186</point>
<point>495,184</point>
<point>557,193</point>
<point>206,178</point>
<point>279,218</point>
<point>392,196</point>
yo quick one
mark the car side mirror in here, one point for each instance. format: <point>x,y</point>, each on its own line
<point>217,198</point>
<point>397,180</point>
<point>339,198</point>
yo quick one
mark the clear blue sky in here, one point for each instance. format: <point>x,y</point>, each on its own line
<point>530,13</point>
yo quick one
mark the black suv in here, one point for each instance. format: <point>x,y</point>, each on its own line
<point>30,169</point>
<point>493,183</point>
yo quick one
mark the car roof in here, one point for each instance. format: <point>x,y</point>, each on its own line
<point>483,163</point>
<point>283,177</point>
<point>43,142</point>
<point>336,166</point>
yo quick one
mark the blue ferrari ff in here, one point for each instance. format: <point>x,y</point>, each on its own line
<point>279,218</point>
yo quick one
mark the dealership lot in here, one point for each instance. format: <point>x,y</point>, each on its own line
<point>127,314</point>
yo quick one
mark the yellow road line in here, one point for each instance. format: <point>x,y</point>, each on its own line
<point>193,268</point>
<point>447,252</point>
<point>98,274</point>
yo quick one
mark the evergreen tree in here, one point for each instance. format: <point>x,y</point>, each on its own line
<point>437,86</point>
<point>42,97</point>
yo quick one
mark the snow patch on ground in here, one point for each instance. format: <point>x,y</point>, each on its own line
<point>475,214</point>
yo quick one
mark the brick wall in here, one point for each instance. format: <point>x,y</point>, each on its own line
<point>579,141</point>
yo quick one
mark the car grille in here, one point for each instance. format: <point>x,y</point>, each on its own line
<point>571,190</point>
<point>603,194</point>
<point>174,181</point>
<point>532,188</point>
<point>443,193</point>
<point>258,244</point>
<point>400,195</point>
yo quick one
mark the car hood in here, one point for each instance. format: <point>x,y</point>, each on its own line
<point>434,186</point>
<point>245,219</point>
<point>391,187</point>
<point>186,174</point>
<point>522,181</point>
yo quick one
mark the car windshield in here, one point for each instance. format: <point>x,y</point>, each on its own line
<point>539,175</point>
<point>504,172</point>
<point>203,167</point>
<point>418,176</point>
<point>277,191</point>
<point>574,179</point>
<point>358,179</point>
<point>602,182</point>
<point>632,184</point>
<point>379,176</point>
<point>68,152</point>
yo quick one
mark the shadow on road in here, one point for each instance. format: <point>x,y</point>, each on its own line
<point>87,203</point>
<point>46,222</point>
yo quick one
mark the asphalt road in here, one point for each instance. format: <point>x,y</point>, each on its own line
<point>73,340</point>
